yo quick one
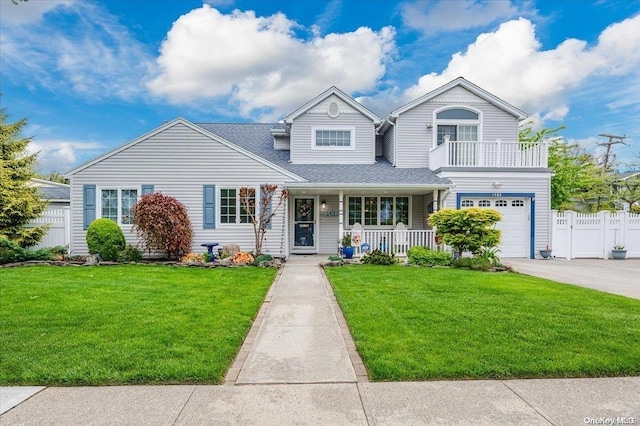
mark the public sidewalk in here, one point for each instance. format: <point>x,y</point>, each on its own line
<point>299,366</point>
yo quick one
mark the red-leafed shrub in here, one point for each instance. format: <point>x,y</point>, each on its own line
<point>163,224</point>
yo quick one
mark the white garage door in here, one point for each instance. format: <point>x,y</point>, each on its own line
<point>514,226</point>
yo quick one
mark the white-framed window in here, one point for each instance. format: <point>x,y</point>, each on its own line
<point>457,123</point>
<point>501,203</point>
<point>517,203</point>
<point>117,204</point>
<point>466,203</point>
<point>378,211</point>
<point>333,138</point>
<point>484,203</point>
<point>232,210</point>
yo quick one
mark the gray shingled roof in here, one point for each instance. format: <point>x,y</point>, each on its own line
<point>257,138</point>
<point>55,193</point>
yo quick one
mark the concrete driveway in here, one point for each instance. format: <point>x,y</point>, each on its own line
<point>612,276</point>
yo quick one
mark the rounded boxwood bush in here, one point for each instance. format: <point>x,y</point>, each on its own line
<point>105,238</point>
<point>419,255</point>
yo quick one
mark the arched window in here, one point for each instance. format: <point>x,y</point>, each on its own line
<point>517,203</point>
<point>501,203</point>
<point>484,203</point>
<point>466,203</point>
<point>457,124</point>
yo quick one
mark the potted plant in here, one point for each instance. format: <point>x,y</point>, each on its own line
<point>545,252</point>
<point>347,249</point>
<point>619,252</point>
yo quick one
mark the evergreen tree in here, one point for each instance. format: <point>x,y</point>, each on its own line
<point>19,202</point>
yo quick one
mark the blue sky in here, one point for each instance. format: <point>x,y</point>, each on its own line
<point>92,75</point>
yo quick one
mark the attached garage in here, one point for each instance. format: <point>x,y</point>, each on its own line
<point>516,220</point>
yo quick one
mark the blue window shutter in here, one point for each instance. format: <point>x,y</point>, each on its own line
<point>147,189</point>
<point>88,205</point>
<point>209,207</point>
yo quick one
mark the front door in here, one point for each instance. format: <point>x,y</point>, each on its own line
<point>304,225</point>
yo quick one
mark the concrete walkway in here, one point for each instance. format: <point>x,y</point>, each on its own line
<point>299,340</point>
<point>299,366</point>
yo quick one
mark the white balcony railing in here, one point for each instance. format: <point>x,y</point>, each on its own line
<point>497,154</point>
<point>395,242</point>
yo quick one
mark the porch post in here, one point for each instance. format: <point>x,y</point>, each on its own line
<point>436,200</point>
<point>340,213</point>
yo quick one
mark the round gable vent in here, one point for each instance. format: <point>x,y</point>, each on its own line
<point>334,110</point>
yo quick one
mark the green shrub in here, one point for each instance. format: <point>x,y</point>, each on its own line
<point>468,229</point>
<point>490,254</point>
<point>474,263</point>
<point>59,250</point>
<point>262,258</point>
<point>419,255</point>
<point>11,252</point>
<point>105,238</point>
<point>130,254</point>
<point>378,257</point>
<point>335,258</point>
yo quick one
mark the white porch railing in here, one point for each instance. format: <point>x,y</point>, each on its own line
<point>394,242</point>
<point>488,154</point>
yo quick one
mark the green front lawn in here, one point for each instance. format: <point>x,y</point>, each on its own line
<point>124,324</point>
<point>430,323</point>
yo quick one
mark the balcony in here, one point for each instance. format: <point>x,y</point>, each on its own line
<point>498,154</point>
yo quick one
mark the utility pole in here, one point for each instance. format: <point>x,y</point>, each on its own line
<point>613,140</point>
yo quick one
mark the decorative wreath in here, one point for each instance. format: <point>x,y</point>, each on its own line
<point>304,209</point>
<point>357,239</point>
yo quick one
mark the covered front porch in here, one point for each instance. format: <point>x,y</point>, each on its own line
<point>391,218</point>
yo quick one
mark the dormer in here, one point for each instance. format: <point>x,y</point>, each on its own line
<point>281,138</point>
<point>333,128</point>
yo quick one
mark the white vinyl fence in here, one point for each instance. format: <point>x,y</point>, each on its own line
<point>593,235</point>
<point>59,233</point>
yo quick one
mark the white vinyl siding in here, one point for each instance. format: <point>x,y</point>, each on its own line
<point>328,225</point>
<point>414,140</point>
<point>303,131</point>
<point>378,145</point>
<point>388,144</point>
<point>178,162</point>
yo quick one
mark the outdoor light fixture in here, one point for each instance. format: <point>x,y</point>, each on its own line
<point>324,204</point>
<point>497,184</point>
<point>429,126</point>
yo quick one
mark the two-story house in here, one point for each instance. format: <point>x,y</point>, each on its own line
<point>344,168</point>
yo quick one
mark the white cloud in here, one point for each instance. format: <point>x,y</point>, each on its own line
<point>62,155</point>
<point>557,113</point>
<point>431,17</point>
<point>28,12</point>
<point>330,13</point>
<point>510,64</point>
<point>92,55</point>
<point>260,64</point>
